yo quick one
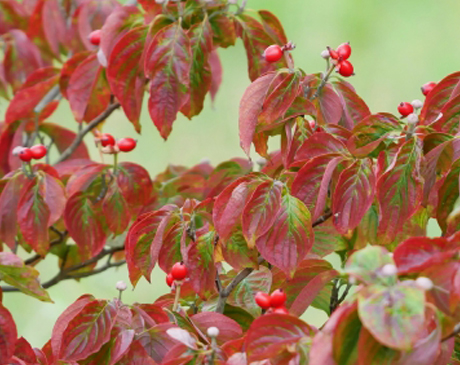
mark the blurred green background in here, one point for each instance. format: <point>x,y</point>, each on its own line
<point>397,46</point>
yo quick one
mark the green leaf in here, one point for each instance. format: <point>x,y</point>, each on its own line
<point>25,278</point>
<point>366,264</point>
<point>395,316</point>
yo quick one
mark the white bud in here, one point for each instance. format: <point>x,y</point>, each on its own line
<point>424,283</point>
<point>213,332</point>
<point>389,270</point>
<point>390,254</point>
<point>16,150</point>
<point>412,118</point>
<point>205,161</point>
<point>325,54</point>
<point>101,58</point>
<point>352,280</point>
<point>417,104</point>
<point>233,2</point>
<point>261,161</point>
<point>159,1</point>
<point>121,285</point>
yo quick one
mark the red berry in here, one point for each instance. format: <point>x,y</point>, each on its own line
<point>179,271</point>
<point>95,37</point>
<point>426,89</point>
<point>262,299</point>
<point>169,279</point>
<point>405,109</point>
<point>334,55</point>
<point>344,50</point>
<point>38,151</point>
<point>107,140</point>
<point>277,298</point>
<point>281,310</point>
<point>273,53</point>
<point>26,154</point>
<point>126,144</point>
<point>345,68</point>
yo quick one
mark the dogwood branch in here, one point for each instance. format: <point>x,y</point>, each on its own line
<point>89,127</point>
<point>66,273</point>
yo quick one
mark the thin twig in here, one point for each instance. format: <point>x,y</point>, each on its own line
<point>323,82</point>
<point>454,333</point>
<point>322,219</point>
<point>91,125</point>
<point>62,235</point>
<point>66,274</point>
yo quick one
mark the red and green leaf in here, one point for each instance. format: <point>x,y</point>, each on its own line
<point>228,328</point>
<point>115,209</point>
<point>290,239</point>
<point>167,65</point>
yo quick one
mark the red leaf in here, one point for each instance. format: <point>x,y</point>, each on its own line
<point>157,342</point>
<point>137,355</point>
<point>216,73</point>
<point>142,243</point>
<point>63,138</point>
<point>250,108</point>
<point>22,57</point>
<point>126,75</point>
<point>329,106</point>
<point>115,209</point>
<point>88,331</point>
<point>256,40</point>
<point>445,90</point>
<point>200,72</point>
<point>273,27</point>
<point>308,294</point>
<point>12,15</point>
<point>399,190</point>
<point>311,183</point>
<point>290,239</point>
<point>418,253</point>
<point>120,21</point>
<point>69,68</point>
<point>271,334</point>
<point>354,108</point>
<point>228,328</point>
<point>167,65</point>
<point>448,122</point>
<point>353,195</point>
<point>84,225</point>
<point>83,178</point>
<point>8,334</point>
<point>261,210</point>
<point>24,351</point>
<point>223,29</point>
<point>200,265</point>
<point>370,132</point>
<point>34,216</point>
<point>9,200</point>
<point>318,144</point>
<point>237,253</point>
<point>37,85</point>
<point>135,184</point>
<point>88,91</point>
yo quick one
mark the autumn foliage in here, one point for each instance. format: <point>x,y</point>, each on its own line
<point>345,181</point>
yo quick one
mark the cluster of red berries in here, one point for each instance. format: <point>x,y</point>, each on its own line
<point>340,58</point>
<point>95,37</point>
<point>115,146</point>
<point>273,303</point>
<point>35,152</point>
<point>178,273</point>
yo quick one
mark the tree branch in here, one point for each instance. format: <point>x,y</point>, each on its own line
<point>322,219</point>
<point>62,235</point>
<point>454,333</point>
<point>89,127</point>
<point>66,274</point>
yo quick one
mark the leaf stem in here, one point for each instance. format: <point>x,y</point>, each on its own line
<point>177,296</point>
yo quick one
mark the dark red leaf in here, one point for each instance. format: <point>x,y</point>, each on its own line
<point>135,184</point>
<point>167,65</point>
<point>157,342</point>
<point>69,68</point>
<point>320,143</point>
<point>354,108</point>
<point>216,73</point>
<point>329,106</point>
<point>83,178</point>
<point>24,351</point>
<point>115,209</point>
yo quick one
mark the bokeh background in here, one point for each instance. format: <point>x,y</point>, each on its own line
<point>397,46</point>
